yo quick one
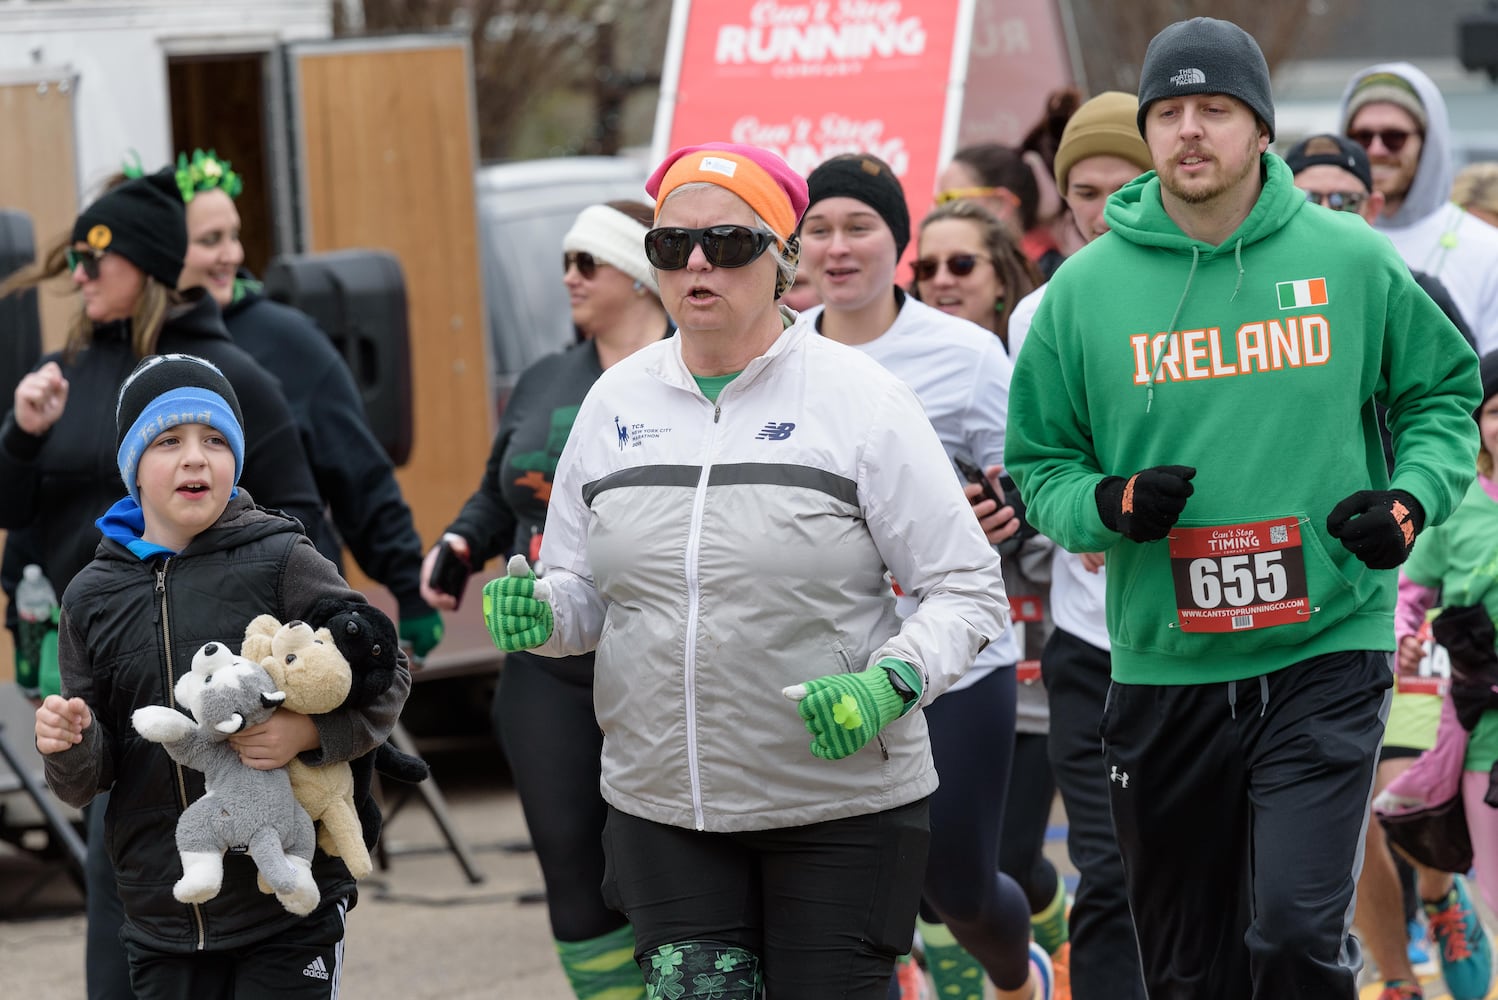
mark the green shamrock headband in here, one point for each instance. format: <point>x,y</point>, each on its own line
<point>204,172</point>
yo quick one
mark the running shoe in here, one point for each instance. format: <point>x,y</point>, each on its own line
<point>1061,969</point>
<point>1466,954</point>
<point>1049,925</point>
<point>1421,959</point>
<point>1045,974</point>
<point>1401,989</point>
<point>911,979</point>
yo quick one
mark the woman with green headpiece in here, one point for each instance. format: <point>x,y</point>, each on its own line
<point>354,474</point>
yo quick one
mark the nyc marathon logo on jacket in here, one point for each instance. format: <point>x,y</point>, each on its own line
<point>1257,362</point>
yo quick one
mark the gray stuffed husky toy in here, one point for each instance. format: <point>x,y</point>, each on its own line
<point>243,807</point>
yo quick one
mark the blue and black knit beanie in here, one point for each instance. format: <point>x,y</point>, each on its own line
<point>166,390</point>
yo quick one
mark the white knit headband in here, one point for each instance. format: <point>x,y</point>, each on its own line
<point>615,239</point>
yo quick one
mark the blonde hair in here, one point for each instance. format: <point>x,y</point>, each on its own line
<point>1476,185</point>
<point>150,312</point>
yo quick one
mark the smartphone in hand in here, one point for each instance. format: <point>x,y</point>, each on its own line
<point>450,572</point>
<point>973,474</point>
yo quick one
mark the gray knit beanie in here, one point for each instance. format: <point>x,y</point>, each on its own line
<point>1206,56</point>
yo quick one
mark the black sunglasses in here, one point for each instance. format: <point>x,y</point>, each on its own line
<point>586,264</point>
<point>89,258</point>
<point>669,247</point>
<point>1392,138</point>
<point>960,265</point>
<point>1338,201</point>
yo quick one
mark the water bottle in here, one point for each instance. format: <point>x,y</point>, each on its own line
<point>36,604</point>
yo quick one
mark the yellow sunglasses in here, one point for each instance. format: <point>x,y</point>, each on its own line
<point>958,194</point>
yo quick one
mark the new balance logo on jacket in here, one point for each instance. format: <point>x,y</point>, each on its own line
<point>317,969</point>
<point>774,432</point>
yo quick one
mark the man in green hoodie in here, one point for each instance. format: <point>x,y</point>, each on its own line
<point>1196,398</point>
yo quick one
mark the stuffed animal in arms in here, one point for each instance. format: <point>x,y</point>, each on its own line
<point>243,807</point>
<point>308,668</point>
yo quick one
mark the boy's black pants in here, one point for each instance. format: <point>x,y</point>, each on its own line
<point>302,962</point>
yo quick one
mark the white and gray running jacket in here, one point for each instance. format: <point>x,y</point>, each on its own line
<point>715,553</point>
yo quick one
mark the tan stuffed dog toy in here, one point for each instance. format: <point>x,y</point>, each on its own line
<point>316,678</point>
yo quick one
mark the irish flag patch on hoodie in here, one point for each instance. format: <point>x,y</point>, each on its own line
<point>1302,293</point>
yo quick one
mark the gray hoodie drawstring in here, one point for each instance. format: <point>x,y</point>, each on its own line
<point>1237,259</point>
<point>1263,696</point>
<point>1149,396</point>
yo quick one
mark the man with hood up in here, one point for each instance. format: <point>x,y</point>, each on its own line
<point>1195,398</point>
<point>1397,114</point>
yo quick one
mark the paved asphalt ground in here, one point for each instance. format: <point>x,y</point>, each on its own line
<point>421,929</point>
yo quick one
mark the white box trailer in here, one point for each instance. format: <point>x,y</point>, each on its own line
<point>122,60</point>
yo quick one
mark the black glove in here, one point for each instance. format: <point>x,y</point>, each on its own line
<point>1466,633</point>
<point>1145,507</point>
<point>1377,526</point>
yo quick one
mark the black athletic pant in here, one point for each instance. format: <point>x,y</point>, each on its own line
<point>972,743</point>
<point>1027,814</point>
<point>1239,810</point>
<point>543,715</point>
<point>106,970</point>
<point>1104,953</point>
<point>826,907</point>
<point>302,962</point>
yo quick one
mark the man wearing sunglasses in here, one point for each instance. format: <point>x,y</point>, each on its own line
<point>1334,171</point>
<point>1397,114</point>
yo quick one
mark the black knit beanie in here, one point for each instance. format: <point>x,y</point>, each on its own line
<point>1489,371</point>
<point>1331,150</point>
<point>166,390</point>
<point>1206,56</point>
<point>142,220</point>
<point>866,178</point>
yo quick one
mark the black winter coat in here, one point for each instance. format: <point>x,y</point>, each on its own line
<point>129,630</point>
<point>354,475</point>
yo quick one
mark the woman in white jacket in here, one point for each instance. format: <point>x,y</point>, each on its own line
<point>725,516</point>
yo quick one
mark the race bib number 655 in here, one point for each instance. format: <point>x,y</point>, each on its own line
<point>1239,576</point>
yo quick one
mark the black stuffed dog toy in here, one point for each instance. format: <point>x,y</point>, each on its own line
<point>371,646</point>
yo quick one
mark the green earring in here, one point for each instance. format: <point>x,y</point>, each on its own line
<point>998,304</point>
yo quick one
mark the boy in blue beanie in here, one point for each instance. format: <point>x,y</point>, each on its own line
<point>187,558</point>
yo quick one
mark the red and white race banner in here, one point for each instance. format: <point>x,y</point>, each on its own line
<point>811,79</point>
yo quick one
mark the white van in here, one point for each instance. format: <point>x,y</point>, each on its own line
<point>524,209</point>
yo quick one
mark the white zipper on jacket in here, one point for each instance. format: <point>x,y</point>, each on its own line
<point>694,606</point>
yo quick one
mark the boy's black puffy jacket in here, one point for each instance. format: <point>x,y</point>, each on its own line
<point>129,630</point>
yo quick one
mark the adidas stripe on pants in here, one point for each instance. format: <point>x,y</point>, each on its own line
<point>303,961</point>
